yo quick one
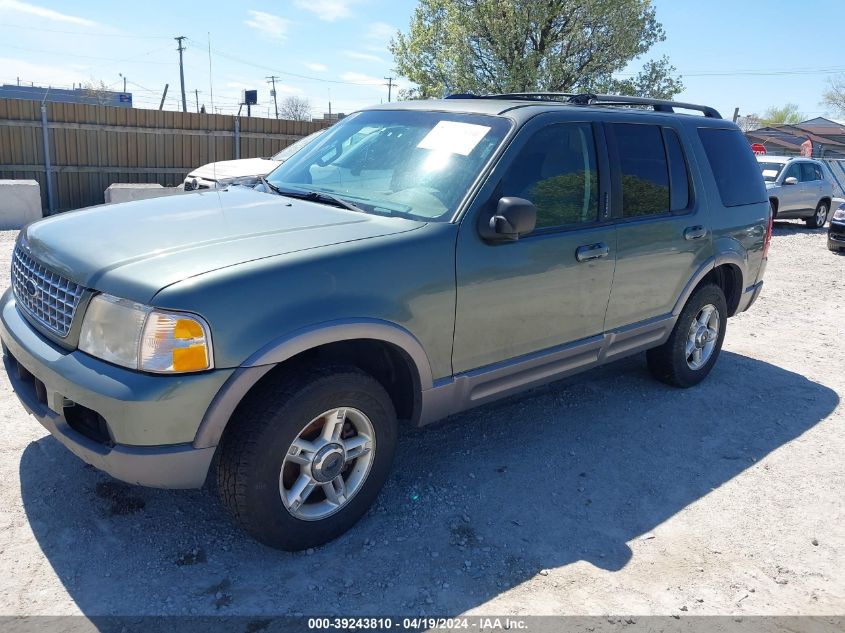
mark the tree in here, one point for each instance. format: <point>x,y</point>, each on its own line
<point>834,96</point>
<point>489,46</point>
<point>749,122</point>
<point>97,92</point>
<point>784,115</point>
<point>295,109</point>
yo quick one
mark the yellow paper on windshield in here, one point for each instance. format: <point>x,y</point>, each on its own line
<point>454,137</point>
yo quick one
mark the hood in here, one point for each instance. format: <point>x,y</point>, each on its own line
<point>235,168</point>
<point>135,249</point>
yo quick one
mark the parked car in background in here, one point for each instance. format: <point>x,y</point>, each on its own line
<point>798,188</point>
<point>245,171</point>
<point>836,230</point>
<point>419,259</point>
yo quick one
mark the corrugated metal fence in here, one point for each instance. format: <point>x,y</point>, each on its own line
<point>836,168</point>
<point>91,147</point>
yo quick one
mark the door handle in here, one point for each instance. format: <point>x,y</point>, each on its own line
<point>694,232</point>
<point>590,252</point>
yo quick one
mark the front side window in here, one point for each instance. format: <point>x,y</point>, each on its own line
<point>556,171</point>
<point>793,171</point>
<point>808,172</point>
<point>402,163</point>
<point>643,169</point>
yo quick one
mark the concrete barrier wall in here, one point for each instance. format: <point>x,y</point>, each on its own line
<point>20,203</point>
<point>127,192</point>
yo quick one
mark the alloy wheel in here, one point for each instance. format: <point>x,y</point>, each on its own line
<point>327,463</point>
<point>702,337</point>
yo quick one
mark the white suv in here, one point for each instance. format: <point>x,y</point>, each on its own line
<point>797,188</point>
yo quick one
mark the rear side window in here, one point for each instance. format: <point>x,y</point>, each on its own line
<point>643,169</point>
<point>678,172</point>
<point>734,167</point>
<point>818,171</point>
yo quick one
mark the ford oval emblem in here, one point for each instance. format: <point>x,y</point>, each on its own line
<point>30,288</point>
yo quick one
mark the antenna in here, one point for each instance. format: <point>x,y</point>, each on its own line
<point>210,84</point>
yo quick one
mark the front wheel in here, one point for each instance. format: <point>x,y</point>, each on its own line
<point>691,350</point>
<point>307,456</point>
<point>819,217</point>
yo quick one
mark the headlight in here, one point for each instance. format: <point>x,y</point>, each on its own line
<point>140,337</point>
<point>246,181</point>
<point>839,214</point>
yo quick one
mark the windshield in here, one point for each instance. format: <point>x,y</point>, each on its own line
<point>771,170</point>
<point>293,148</point>
<point>401,163</point>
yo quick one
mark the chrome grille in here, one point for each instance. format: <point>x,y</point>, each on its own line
<point>46,296</point>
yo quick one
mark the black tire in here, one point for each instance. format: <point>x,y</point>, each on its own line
<point>258,439</point>
<point>668,362</point>
<point>819,217</point>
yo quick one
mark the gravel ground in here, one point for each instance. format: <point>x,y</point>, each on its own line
<point>604,493</point>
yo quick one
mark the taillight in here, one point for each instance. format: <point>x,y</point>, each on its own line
<point>768,240</point>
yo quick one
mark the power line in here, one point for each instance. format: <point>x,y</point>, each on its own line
<point>120,35</point>
<point>289,74</point>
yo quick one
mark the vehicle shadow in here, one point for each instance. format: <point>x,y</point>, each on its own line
<point>790,227</point>
<point>475,506</point>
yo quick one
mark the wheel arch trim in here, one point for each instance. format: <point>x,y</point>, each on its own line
<point>264,360</point>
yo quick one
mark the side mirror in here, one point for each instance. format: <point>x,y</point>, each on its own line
<point>792,180</point>
<point>514,218</point>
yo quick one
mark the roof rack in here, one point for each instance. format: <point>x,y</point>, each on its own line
<point>586,98</point>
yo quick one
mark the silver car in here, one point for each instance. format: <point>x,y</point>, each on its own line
<point>797,188</point>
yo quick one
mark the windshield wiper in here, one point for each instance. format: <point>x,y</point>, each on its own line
<point>270,186</point>
<point>318,196</point>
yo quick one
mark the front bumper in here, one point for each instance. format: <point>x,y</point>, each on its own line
<point>836,234</point>
<point>150,420</point>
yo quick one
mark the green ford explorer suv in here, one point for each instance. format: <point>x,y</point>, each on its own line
<point>418,259</point>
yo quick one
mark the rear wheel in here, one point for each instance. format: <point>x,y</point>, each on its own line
<point>307,456</point>
<point>819,217</point>
<point>689,354</point>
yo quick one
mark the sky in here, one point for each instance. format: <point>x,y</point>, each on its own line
<point>750,54</point>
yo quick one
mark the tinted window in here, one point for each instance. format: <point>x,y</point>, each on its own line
<point>818,171</point>
<point>644,172</point>
<point>734,167</point>
<point>678,172</point>
<point>793,171</point>
<point>808,173</point>
<point>556,170</point>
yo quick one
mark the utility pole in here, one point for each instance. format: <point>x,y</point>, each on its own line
<point>124,81</point>
<point>273,79</point>
<point>197,95</point>
<point>182,71</point>
<point>163,95</point>
<point>389,85</point>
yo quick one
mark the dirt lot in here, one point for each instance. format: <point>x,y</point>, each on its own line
<point>605,493</point>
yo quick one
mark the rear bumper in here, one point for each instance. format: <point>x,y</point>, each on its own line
<point>749,297</point>
<point>150,421</point>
